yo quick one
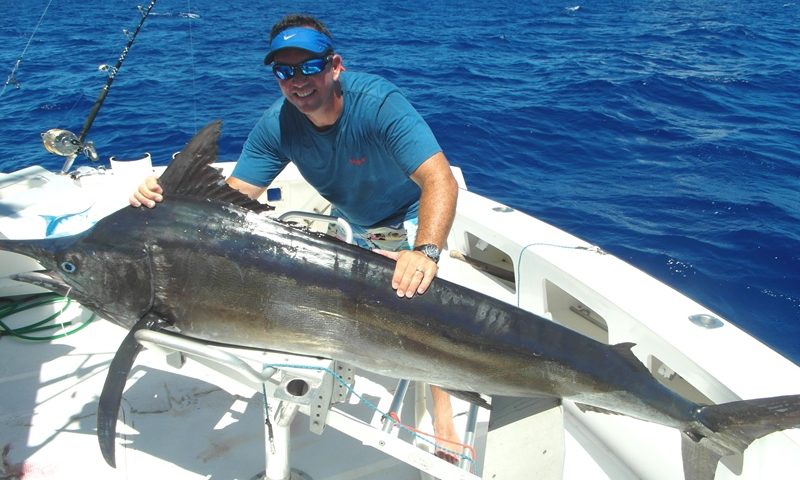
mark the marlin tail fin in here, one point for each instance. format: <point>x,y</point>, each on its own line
<point>731,428</point>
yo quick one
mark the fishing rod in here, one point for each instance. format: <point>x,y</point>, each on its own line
<point>67,144</point>
<point>12,77</point>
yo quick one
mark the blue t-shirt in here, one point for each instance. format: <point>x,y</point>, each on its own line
<point>361,164</point>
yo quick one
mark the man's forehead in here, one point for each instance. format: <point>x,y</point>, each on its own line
<point>293,55</point>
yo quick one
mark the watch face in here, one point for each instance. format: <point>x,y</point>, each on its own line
<point>430,250</point>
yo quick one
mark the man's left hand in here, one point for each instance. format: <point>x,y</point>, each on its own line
<point>413,273</point>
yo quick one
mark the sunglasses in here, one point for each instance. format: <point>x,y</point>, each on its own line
<point>311,66</point>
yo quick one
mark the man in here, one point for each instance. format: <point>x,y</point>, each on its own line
<point>361,144</point>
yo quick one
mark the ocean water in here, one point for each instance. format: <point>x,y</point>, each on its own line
<point>667,132</point>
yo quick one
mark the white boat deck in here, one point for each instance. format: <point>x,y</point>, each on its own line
<point>194,422</point>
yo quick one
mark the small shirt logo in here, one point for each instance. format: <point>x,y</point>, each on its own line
<point>358,161</point>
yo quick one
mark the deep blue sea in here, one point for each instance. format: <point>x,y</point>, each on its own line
<point>667,132</point>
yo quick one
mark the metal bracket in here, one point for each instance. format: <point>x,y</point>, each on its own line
<point>343,387</point>
<point>311,386</point>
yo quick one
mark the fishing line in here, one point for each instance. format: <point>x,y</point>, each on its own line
<point>591,248</point>
<point>68,115</point>
<point>12,77</point>
<point>270,433</point>
<point>191,62</point>
<point>67,144</point>
<point>112,73</point>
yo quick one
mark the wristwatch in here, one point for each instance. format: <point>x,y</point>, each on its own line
<point>430,250</point>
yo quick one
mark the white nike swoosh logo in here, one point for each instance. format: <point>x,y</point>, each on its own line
<point>287,37</point>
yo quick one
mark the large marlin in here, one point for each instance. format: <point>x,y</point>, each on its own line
<point>205,263</point>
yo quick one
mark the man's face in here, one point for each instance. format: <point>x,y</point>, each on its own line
<point>309,93</point>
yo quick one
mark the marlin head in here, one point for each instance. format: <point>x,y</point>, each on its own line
<point>43,251</point>
<point>112,280</point>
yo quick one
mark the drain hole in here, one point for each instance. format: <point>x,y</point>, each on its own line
<point>297,387</point>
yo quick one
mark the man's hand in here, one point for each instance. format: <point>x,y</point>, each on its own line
<point>148,193</point>
<point>413,273</point>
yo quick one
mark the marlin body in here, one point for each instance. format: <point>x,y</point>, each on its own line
<point>206,264</point>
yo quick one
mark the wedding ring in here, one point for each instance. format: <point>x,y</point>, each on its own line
<point>421,270</point>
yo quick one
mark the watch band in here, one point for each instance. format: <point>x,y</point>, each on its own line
<point>430,250</point>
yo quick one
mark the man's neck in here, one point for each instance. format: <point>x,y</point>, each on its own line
<point>325,119</point>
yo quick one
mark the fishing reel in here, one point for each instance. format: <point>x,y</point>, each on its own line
<point>66,144</point>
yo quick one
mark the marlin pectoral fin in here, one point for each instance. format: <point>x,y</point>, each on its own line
<point>111,397</point>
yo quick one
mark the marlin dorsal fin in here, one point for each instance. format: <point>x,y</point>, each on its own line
<point>191,174</point>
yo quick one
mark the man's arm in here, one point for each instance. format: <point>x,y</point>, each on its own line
<point>252,191</point>
<point>437,206</point>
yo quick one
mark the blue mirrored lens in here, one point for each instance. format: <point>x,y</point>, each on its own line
<point>312,66</point>
<point>283,72</point>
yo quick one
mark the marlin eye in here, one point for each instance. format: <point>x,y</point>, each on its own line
<point>68,267</point>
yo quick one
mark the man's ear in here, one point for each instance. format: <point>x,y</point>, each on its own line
<point>337,66</point>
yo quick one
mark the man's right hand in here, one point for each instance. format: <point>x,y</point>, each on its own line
<point>148,193</point>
